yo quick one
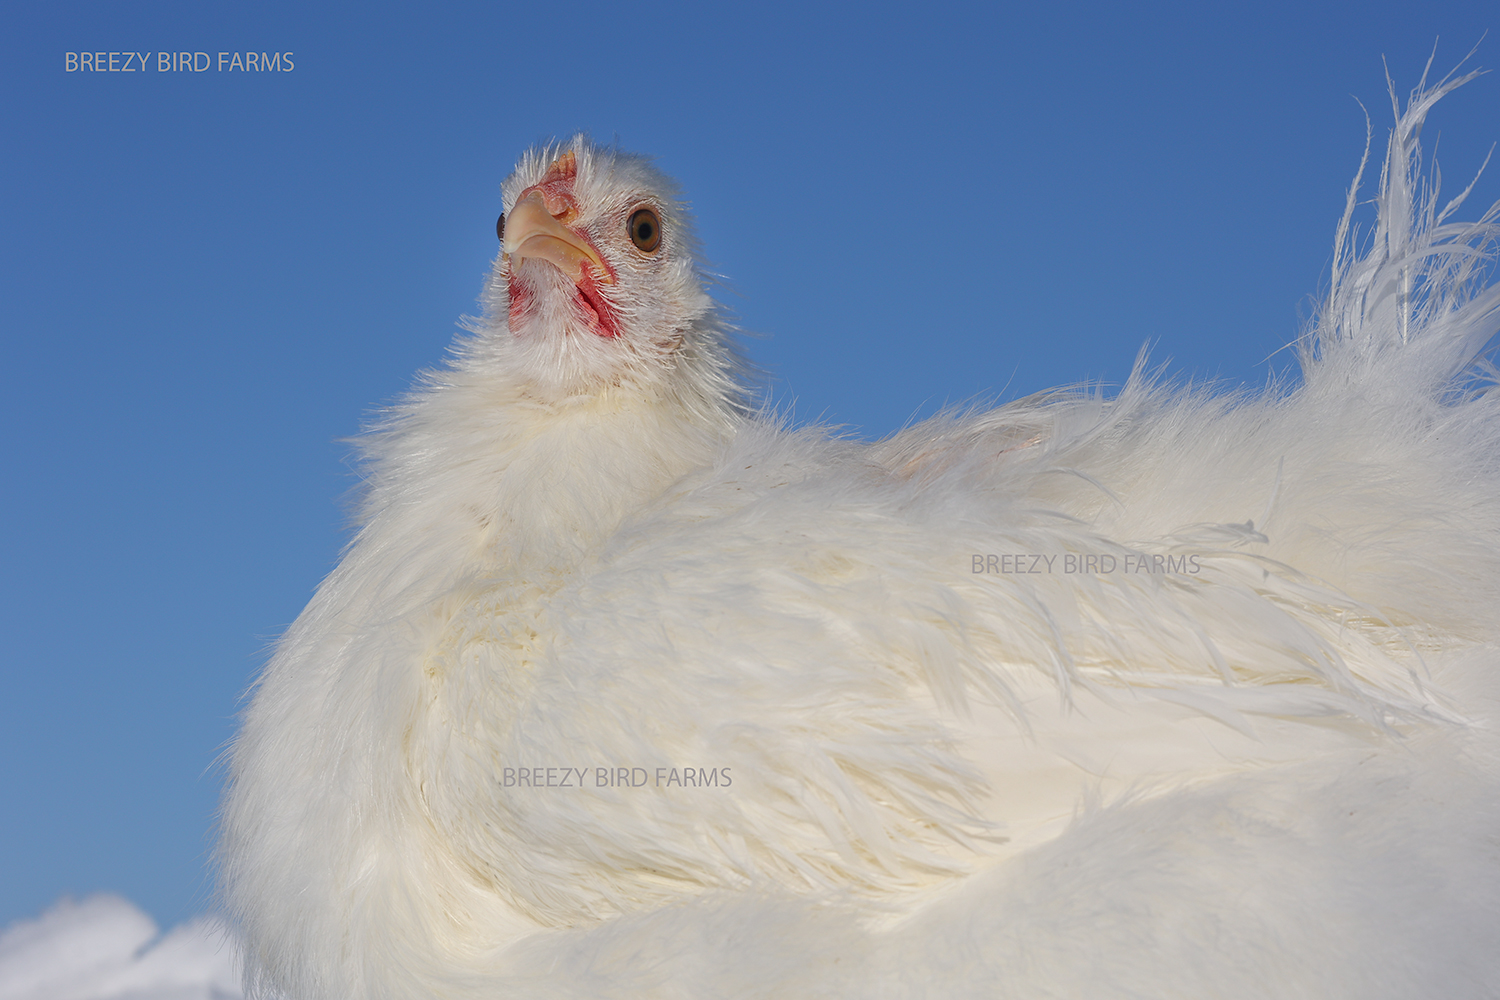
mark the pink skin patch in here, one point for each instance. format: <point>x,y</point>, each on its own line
<point>596,311</point>
<point>556,187</point>
<point>520,299</point>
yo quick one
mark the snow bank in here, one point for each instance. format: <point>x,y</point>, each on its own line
<point>106,948</point>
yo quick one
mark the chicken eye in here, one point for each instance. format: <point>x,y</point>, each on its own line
<point>645,230</point>
<point>500,227</point>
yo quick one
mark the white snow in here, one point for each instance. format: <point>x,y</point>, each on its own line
<point>106,948</point>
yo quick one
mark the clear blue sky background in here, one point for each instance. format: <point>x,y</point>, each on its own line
<point>208,279</point>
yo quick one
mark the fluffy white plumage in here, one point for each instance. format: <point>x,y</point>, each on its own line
<point>1251,754</point>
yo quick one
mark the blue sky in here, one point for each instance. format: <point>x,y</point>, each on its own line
<point>209,278</point>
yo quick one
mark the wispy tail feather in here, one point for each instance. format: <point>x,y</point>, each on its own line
<point>1410,305</point>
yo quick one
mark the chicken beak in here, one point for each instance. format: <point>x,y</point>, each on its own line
<point>532,231</point>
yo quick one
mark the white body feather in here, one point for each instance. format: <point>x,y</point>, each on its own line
<point>1267,767</point>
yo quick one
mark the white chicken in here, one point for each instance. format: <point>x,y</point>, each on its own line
<point>623,690</point>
